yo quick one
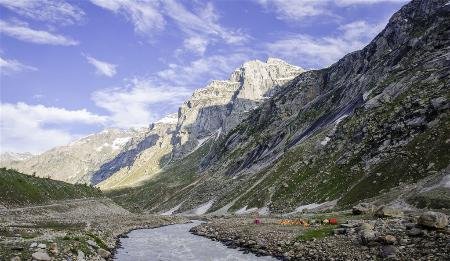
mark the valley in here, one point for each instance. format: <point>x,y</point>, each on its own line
<point>347,162</point>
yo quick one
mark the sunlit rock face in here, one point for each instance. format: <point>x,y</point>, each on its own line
<point>221,105</point>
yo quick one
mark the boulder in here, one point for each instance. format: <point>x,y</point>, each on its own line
<point>81,256</point>
<point>433,219</point>
<point>103,253</point>
<point>388,251</point>
<point>92,243</point>
<point>389,239</point>
<point>363,208</point>
<point>414,232</point>
<point>54,248</point>
<point>16,258</point>
<point>366,236</point>
<point>386,211</point>
<point>42,246</point>
<point>40,256</point>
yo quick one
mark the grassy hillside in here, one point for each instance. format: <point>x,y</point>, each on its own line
<point>17,189</point>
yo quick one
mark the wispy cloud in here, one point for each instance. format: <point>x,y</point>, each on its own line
<point>211,67</point>
<point>26,34</point>
<point>8,67</point>
<point>311,52</point>
<point>203,23</point>
<point>294,9</point>
<point>102,68</point>
<point>298,11</point>
<point>144,15</point>
<point>55,11</point>
<point>201,28</point>
<point>130,106</point>
<point>25,127</point>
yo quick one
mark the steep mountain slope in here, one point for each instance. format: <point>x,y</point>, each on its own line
<point>118,158</point>
<point>210,111</point>
<point>17,189</point>
<point>378,119</point>
<point>79,161</point>
<point>222,105</point>
<point>8,158</point>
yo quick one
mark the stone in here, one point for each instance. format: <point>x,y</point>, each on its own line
<point>54,248</point>
<point>92,243</point>
<point>431,219</point>
<point>366,236</point>
<point>388,251</point>
<point>366,226</point>
<point>340,231</point>
<point>389,239</point>
<point>81,256</point>
<point>103,253</point>
<point>33,245</point>
<point>414,232</point>
<point>40,256</point>
<point>16,258</point>
<point>386,211</point>
<point>363,208</point>
<point>439,103</point>
<point>42,246</point>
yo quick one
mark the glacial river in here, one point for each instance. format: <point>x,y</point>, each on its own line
<point>175,242</point>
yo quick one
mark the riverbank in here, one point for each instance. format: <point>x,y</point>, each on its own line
<point>85,229</point>
<point>395,235</point>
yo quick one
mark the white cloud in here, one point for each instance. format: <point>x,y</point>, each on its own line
<point>26,127</point>
<point>196,44</point>
<point>366,2</point>
<point>299,10</point>
<point>211,67</point>
<point>55,11</point>
<point>201,27</point>
<point>308,51</point>
<point>203,23</point>
<point>101,67</point>
<point>27,34</point>
<point>8,67</point>
<point>294,9</point>
<point>131,106</point>
<point>144,15</point>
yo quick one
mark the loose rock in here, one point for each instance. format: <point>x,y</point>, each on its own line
<point>432,219</point>
<point>40,256</point>
<point>388,212</point>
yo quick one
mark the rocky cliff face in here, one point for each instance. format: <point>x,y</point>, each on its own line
<point>374,125</point>
<point>222,105</point>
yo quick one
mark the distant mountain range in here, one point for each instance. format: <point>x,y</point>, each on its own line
<point>374,126</point>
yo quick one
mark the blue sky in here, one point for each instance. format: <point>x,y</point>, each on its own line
<point>70,68</point>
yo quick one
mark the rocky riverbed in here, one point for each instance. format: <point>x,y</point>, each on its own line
<point>85,229</point>
<point>387,234</point>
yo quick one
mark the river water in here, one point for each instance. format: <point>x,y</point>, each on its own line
<point>175,242</point>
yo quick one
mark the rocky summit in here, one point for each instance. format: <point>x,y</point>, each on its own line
<point>347,162</point>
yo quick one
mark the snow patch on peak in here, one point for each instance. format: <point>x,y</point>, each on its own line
<point>118,143</point>
<point>169,119</point>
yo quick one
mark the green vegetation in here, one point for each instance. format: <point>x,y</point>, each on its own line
<point>316,233</point>
<point>438,198</point>
<point>165,186</point>
<point>17,189</point>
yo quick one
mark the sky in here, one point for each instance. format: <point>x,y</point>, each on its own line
<point>71,68</point>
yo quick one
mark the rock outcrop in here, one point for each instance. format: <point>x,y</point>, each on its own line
<point>222,105</point>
